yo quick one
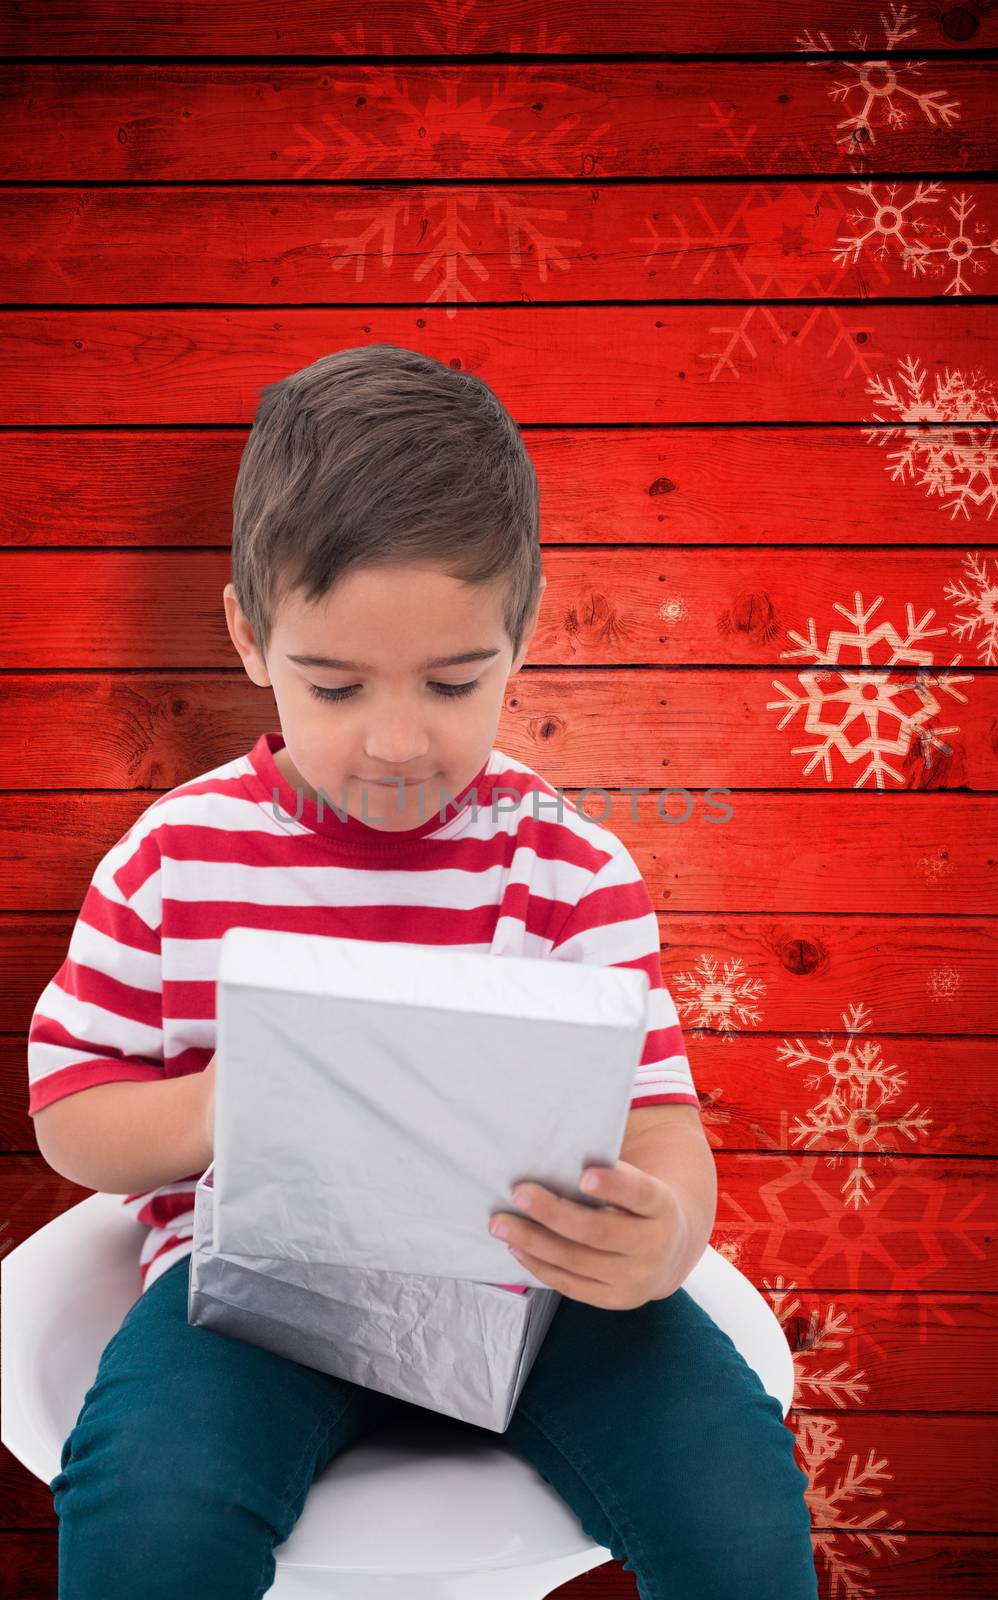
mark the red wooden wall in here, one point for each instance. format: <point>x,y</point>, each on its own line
<point>733,272</point>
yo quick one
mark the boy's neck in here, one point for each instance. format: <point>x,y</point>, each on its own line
<point>285,766</point>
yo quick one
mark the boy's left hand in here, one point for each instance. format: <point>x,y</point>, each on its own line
<point>616,1256</point>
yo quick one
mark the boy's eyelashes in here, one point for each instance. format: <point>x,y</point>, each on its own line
<point>447,690</point>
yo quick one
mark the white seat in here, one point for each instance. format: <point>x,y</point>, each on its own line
<point>424,1508</point>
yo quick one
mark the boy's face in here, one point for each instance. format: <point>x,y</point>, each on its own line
<point>397,719</point>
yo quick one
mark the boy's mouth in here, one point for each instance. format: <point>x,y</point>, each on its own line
<point>385,783</point>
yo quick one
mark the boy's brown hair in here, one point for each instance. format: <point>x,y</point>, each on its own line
<point>381,456</point>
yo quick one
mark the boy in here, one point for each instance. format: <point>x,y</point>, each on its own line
<point>386,584</point>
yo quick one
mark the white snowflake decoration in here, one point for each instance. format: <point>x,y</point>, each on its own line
<point>959,248</point>
<point>713,1001</point>
<point>840,1492</point>
<point>858,1085</point>
<point>887,225</point>
<point>956,461</point>
<point>925,245</point>
<point>674,609</point>
<point>943,983</point>
<point>866,715</point>
<point>881,87</point>
<point>982,601</point>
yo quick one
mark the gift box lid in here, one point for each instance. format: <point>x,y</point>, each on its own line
<point>376,1101</point>
<point>431,976</point>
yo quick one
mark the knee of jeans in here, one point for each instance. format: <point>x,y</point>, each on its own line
<point>742,1477</point>
<point>113,1468</point>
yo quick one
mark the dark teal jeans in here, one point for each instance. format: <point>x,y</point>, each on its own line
<point>193,1454</point>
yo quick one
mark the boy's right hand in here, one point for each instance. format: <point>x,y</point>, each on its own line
<point>208,1109</point>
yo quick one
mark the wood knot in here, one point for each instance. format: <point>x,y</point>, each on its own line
<point>799,1333</point>
<point>802,956</point>
<point>547,727</point>
<point>753,615</point>
<point>958,24</point>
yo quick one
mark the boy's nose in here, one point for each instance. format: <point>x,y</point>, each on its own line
<point>384,759</point>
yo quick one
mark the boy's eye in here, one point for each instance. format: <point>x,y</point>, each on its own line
<point>448,690</point>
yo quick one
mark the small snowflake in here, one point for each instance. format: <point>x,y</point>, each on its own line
<point>864,715</point>
<point>881,89</point>
<point>726,1247</point>
<point>712,1001</point>
<point>961,462</point>
<point>981,606</point>
<point>936,868</point>
<point>857,1086</point>
<point>674,609</point>
<point>943,983</point>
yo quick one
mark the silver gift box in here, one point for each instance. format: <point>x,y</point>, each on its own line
<point>375,1103</point>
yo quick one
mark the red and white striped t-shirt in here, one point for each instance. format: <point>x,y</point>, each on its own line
<point>513,870</point>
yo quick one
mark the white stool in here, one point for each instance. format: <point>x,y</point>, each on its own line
<point>424,1508</point>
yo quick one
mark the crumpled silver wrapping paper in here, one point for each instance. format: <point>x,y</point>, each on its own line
<point>459,1348</point>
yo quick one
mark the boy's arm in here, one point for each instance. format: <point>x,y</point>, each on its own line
<point>669,1142</point>
<point>127,1138</point>
<point>106,1114</point>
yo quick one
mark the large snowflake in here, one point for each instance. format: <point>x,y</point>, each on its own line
<point>881,91</point>
<point>981,606</point>
<point>956,461</point>
<point>926,244</point>
<point>840,1488</point>
<point>863,715</point>
<point>806,222</point>
<point>438,110</point>
<point>713,1001</point>
<point>857,1086</point>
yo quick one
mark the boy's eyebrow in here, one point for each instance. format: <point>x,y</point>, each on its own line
<point>357,666</point>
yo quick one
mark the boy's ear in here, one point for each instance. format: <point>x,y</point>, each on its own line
<point>243,638</point>
<point>528,632</point>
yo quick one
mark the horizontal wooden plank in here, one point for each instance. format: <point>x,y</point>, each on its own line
<point>284,245</point>
<point>874,363</point>
<point>603,119</point>
<point>638,485</point>
<point>141,730</point>
<point>930,1225</point>
<point>537,27</point>
<point>758,1090</point>
<point>889,1352</point>
<point>800,1092</point>
<point>883,1473</point>
<point>784,853</point>
<point>928,975</point>
<point>919,611</point>
<point>803,974</point>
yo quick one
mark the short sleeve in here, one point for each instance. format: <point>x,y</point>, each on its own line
<point>100,1018</point>
<point>613,924</point>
